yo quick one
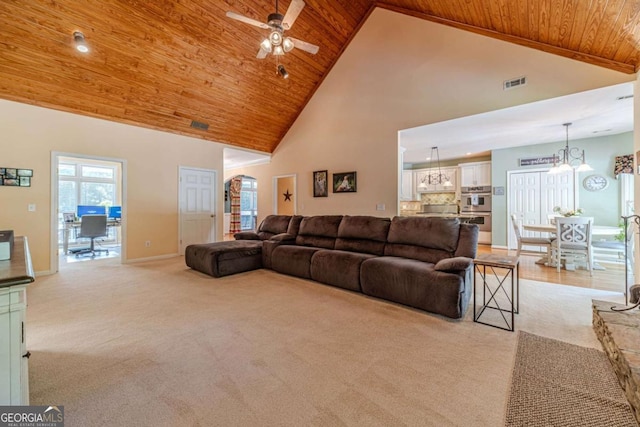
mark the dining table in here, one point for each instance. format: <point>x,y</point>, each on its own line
<point>596,230</point>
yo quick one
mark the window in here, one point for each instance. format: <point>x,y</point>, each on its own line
<point>248,203</point>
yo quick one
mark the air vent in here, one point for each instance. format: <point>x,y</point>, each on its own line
<point>620,98</point>
<point>513,83</point>
<point>199,125</point>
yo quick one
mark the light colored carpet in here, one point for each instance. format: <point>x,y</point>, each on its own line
<point>559,384</point>
<point>160,345</point>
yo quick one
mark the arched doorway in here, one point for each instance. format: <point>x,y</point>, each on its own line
<point>240,204</point>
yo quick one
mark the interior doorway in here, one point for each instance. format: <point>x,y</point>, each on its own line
<point>240,204</point>
<point>81,186</point>
<point>284,192</point>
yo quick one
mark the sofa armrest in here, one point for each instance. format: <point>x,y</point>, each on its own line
<point>283,237</point>
<point>458,263</point>
<point>246,235</point>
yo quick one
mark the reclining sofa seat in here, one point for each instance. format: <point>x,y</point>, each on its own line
<point>427,264</point>
<point>220,259</point>
<point>330,249</point>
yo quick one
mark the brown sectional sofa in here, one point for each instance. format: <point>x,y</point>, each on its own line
<point>426,263</point>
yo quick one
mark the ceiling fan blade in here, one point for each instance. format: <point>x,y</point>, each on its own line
<point>262,54</point>
<point>247,20</point>
<point>307,47</point>
<point>292,13</point>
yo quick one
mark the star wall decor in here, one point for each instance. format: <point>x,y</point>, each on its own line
<point>287,196</point>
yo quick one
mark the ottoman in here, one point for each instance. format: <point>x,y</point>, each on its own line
<point>224,258</point>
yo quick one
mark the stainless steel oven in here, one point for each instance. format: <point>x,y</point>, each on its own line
<point>475,199</point>
<point>483,219</point>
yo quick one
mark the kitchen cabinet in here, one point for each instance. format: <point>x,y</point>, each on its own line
<point>475,174</point>
<point>15,274</point>
<point>449,172</point>
<point>406,191</point>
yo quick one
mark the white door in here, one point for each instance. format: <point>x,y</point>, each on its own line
<point>533,195</point>
<point>197,207</point>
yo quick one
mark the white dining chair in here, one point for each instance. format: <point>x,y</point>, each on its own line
<point>573,239</point>
<point>544,242</point>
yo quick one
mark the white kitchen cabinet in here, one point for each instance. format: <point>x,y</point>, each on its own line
<point>449,172</point>
<point>14,358</point>
<point>406,192</point>
<point>475,174</point>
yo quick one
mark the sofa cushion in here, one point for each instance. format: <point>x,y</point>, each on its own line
<point>272,225</point>
<point>246,235</point>
<point>338,268</point>
<point>319,231</point>
<point>468,241</point>
<point>293,260</point>
<point>453,264</point>
<point>366,234</point>
<point>424,239</point>
<point>294,225</point>
<point>416,284</point>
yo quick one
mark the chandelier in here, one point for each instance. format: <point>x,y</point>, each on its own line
<point>434,177</point>
<point>568,157</point>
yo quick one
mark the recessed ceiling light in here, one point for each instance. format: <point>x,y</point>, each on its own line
<point>468,154</point>
<point>81,45</point>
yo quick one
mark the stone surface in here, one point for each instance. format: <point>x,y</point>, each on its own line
<point>619,333</point>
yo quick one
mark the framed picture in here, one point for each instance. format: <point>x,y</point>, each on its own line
<point>320,187</point>
<point>25,172</point>
<point>344,182</point>
<point>25,181</point>
<point>69,216</point>
<point>10,173</point>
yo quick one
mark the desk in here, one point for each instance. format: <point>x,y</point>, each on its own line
<point>68,226</point>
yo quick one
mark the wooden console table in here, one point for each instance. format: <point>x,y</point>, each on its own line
<point>15,275</point>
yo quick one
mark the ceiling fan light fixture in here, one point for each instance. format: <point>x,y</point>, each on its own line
<point>287,44</point>
<point>81,45</point>
<point>278,51</point>
<point>266,45</point>
<point>275,38</point>
<point>283,72</point>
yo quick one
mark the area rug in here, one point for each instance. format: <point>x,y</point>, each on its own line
<point>555,383</point>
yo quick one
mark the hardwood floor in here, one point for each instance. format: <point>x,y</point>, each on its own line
<point>610,279</point>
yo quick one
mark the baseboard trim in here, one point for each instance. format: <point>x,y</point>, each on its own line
<point>44,273</point>
<point>499,247</point>
<point>151,258</point>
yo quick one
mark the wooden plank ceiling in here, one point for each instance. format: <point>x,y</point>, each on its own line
<point>161,63</point>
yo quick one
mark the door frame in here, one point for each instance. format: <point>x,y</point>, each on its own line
<point>53,249</point>
<point>275,192</point>
<point>216,195</point>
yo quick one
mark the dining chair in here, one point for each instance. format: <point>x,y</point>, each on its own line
<point>573,238</point>
<point>614,250</point>
<point>544,242</point>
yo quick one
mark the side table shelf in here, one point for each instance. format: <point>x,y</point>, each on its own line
<point>500,280</point>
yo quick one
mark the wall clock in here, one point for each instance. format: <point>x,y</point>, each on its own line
<point>595,183</point>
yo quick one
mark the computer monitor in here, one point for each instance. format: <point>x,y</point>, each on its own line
<point>90,210</point>
<point>115,212</point>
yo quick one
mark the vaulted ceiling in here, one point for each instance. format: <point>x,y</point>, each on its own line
<point>162,64</point>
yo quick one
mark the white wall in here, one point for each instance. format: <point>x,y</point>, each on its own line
<point>400,72</point>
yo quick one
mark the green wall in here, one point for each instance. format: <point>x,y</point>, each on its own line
<point>600,153</point>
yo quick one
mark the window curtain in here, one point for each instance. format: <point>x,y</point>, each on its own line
<point>234,189</point>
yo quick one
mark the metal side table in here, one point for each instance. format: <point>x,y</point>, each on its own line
<point>500,276</point>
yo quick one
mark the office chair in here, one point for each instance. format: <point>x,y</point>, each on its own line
<point>92,226</point>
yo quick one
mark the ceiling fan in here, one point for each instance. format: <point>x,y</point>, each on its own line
<point>277,43</point>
